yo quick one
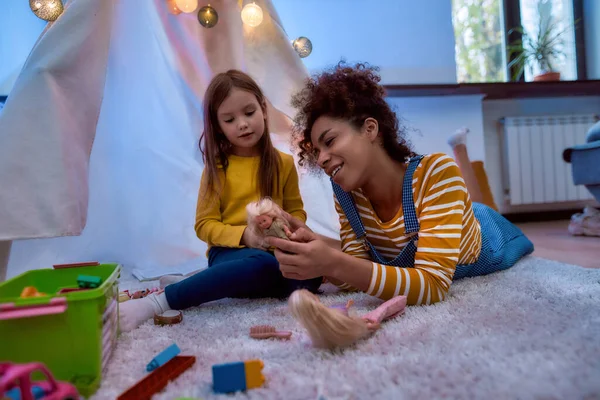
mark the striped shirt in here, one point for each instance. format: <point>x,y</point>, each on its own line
<point>449,234</point>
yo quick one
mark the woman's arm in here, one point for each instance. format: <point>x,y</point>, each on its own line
<point>444,197</point>
<point>350,271</point>
<point>308,257</point>
<point>445,215</point>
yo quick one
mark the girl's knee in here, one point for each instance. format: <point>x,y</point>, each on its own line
<point>219,255</point>
<point>265,260</point>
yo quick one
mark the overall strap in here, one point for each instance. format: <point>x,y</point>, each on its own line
<point>411,223</point>
<point>347,204</point>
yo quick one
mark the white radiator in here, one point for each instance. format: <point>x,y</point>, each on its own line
<point>535,171</point>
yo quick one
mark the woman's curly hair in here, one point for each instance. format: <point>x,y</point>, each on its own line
<point>352,94</point>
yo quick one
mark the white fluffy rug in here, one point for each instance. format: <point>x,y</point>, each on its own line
<point>532,332</point>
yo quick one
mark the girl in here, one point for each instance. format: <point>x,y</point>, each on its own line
<point>408,225</point>
<point>240,166</point>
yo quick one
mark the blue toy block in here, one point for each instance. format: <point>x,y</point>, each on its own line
<point>229,377</point>
<point>165,356</point>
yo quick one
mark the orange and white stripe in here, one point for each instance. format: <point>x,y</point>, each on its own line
<point>449,233</point>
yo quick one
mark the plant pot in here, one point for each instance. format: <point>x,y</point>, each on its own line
<point>547,77</point>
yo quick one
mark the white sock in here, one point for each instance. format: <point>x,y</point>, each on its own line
<point>459,137</point>
<point>167,280</point>
<point>135,312</point>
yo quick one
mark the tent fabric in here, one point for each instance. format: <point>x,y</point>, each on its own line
<point>126,80</point>
<point>47,131</point>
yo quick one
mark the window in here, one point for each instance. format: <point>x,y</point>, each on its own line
<point>559,13</point>
<point>479,37</point>
<point>483,32</point>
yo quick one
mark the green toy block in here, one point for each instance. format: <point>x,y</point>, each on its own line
<point>89,281</point>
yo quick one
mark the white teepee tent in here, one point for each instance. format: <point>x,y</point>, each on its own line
<point>99,154</point>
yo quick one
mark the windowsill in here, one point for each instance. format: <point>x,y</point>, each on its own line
<point>500,90</point>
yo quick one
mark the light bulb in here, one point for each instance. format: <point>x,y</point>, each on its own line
<point>48,10</point>
<point>187,6</point>
<point>302,46</point>
<point>172,7</point>
<point>252,14</point>
<point>208,16</point>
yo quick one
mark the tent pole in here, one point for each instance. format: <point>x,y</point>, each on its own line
<point>4,256</point>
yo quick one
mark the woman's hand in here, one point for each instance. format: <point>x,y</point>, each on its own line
<point>294,222</point>
<point>303,257</point>
<point>252,240</point>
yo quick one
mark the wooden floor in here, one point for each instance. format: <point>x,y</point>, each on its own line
<point>552,240</point>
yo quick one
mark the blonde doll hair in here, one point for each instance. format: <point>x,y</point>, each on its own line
<point>263,206</point>
<point>327,328</point>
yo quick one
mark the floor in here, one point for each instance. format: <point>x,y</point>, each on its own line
<point>552,241</point>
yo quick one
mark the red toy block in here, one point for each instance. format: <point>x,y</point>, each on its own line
<point>76,265</point>
<point>158,379</point>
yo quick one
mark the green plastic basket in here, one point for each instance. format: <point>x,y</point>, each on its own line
<point>73,333</point>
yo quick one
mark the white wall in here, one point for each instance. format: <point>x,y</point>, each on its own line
<point>436,118</point>
<point>412,41</point>
<point>20,30</point>
<point>494,110</point>
<point>591,15</point>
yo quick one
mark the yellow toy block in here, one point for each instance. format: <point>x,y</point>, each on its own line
<point>254,376</point>
<point>31,291</point>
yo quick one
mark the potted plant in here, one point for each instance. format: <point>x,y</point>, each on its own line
<point>540,49</point>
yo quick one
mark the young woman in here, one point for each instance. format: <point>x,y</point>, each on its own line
<point>408,224</point>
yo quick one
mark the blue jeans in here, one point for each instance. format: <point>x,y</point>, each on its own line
<point>235,273</point>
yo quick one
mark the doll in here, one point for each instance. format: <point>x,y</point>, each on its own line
<point>331,327</point>
<point>266,219</point>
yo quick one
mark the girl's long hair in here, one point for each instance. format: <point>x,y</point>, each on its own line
<point>216,148</point>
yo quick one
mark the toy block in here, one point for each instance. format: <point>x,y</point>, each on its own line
<point>237,376</point>
<point>31,291</point>
<point>165,356</point>
<point>229,377</point>
<point>88,281</point>
<point>158,379</point>
<point>254,375</point>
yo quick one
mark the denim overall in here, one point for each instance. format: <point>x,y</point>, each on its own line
<point>502,243</point>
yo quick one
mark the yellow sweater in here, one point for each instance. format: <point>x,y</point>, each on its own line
<point>448,234</point>
<point>222,221</point>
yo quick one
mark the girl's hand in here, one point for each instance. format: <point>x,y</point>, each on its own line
<point>252,240</point>
<point>308,258</point>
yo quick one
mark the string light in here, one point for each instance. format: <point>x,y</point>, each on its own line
<point>302,46</point>
<point>252,14</point>
<point>187,6</point>
<point>48,10</point>
<point>208,16</point>
<point>172,7</point>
